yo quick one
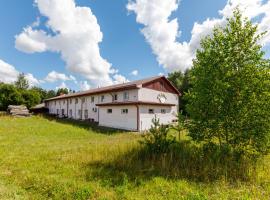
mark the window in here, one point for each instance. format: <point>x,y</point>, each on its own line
<point>70,101</point>
<point>57,111</point>
<point>55,103</point>
<point>126,96</point>
<point>162,86</point>
<point>151,111</point>
<point>115,97</point>
<point>64,101</point>
<point>109,110</point>
<point>83,100</point>
<point>85,114</point>
<point>76,101</point>
<point>80,113</point>
<point>124,111</point>
<point>92,99</point>
<point>94,109</point>
<point>163,111</point>
<point>102,98</point>
<point>63,111</point>
<point>70,112</point>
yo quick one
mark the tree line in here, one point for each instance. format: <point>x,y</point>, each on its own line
<point>20,93</point>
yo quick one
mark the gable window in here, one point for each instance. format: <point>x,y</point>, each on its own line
<point>92,99</point>
<point>163,111</point>
<point>124,111</point>
<point>109,110</point>
<point>162,86</point>
<point>126,96</point>
<point>151,111</point>
<point>76,101</point>
<point>102,98</point>
<point>85,114</point>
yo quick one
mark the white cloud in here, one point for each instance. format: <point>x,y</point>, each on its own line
<point>76,36</point>
<point>9,74</point>
<point>54,76</point>
<point>84,86</point>
<point>62,85</point>
<point>135,73</point>
<point>119,79</point>
<point>162,33</point>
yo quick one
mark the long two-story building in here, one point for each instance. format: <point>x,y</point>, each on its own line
<point>130,106</point>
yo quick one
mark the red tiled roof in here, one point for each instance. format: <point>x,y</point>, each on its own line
<point>134,103</point>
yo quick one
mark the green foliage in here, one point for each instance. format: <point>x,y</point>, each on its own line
<point>61,91</point>
<point>50,94</point>
<point>230,95</point>
<point>182,82</point>
<point>9,95</point>
<point>180,126</point>
<point>22,82</point>
<point>157,139</point>
<point>30,98</point>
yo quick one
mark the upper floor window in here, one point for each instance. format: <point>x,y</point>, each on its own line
<point>102,98</point>
<point>64,101</point>
<point>94,109</point>
<point>151,111</point>
<point>109,110</point>
<point>126,95</point>
<point>124,111</point>
<point>83,100</point>
<point>163,111</point>
<point>55,103</point>
<point>115,97</point>
<point>70,101</point>
<point>92,99</point>
<point>76,100</point>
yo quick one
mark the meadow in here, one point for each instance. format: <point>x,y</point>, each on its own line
<point>47,158</point>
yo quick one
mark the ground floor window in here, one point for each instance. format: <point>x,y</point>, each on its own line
<point>151,111</point>
<point>80,113</point>
<point>63,111</point>
<point>163,111</point>
<point>57,111</point>
<point>70,112</point>
<point>85,114</point>
<point>124,111</point>
<point>109,110</point>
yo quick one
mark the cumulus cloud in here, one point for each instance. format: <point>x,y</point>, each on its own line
<point>9,74</point>
<point>135,73</point>
<point>54,76</point>
<point>84,85</point>
<point>62,85</point>
<point>75,35</point>
<point>162,33</point>
<point>119,79</point>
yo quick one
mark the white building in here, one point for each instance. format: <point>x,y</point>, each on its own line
<point>130,106</point>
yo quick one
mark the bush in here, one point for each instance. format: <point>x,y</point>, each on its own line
<point>157,140</point>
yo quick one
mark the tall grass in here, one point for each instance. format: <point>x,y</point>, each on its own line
<point>47,158</point>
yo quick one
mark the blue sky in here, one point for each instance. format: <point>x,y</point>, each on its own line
<point>124,47</point>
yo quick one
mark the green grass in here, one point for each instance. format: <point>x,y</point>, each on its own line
<point>42,158</point>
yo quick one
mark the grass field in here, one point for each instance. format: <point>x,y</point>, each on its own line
<point>42,158</point>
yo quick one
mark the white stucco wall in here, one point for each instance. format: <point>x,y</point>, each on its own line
<point>118,120</point>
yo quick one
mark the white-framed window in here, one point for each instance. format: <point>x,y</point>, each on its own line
<point>70,101</point>
<point>85,114</point>
<point>163,111</point>
<point>109,111</point>
<point>151,111</point>
<point>63,111</point>
<point>57,111</point>
<point>83,100</point>
<point>76,101</point>
<point>115,97</point>
<point>102,98</point>
<point>94,109</point>
<point>92,99</point>
<point>55,103</point>
<point>70,112</point>
<point>64,101</point>
<point>126,95</point>
<point>80,113</point>
<point>124,111</point>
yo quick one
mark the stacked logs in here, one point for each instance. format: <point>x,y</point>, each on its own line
<point>18,111</point>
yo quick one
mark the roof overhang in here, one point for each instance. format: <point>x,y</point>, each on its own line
<point>135,103</point>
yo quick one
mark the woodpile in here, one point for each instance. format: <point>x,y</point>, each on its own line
<point>18,111</point>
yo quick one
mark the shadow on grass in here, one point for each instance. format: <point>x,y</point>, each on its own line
<point>184,161</point>
<point>91,126</point>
